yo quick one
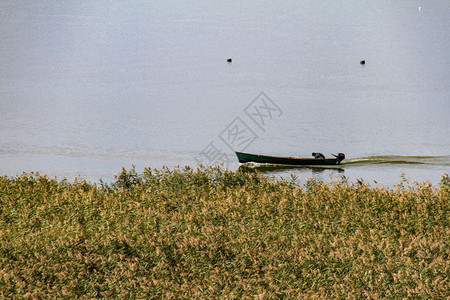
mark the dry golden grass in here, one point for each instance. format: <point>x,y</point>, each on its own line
<point>207,234</point>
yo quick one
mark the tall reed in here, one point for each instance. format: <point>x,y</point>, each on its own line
<point>209,233</point>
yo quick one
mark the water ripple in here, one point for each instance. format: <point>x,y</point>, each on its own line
<point>399,160</point>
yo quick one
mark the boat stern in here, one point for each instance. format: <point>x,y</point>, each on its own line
<point>340,157</point>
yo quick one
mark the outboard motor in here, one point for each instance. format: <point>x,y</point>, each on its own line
<point>340,157</point>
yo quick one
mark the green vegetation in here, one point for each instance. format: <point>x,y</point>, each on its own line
<point>208,234</point>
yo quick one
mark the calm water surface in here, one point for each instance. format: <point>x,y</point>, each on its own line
<point>86,88</point>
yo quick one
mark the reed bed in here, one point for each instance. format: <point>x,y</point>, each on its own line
<point>214,234</point>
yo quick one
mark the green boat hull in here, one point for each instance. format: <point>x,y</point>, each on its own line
<point>293,161</point>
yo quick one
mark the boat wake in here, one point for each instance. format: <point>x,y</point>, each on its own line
<point>398,160</point>
<point>367,161</point>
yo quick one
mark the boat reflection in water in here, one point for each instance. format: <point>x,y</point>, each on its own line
<point>274,169</point>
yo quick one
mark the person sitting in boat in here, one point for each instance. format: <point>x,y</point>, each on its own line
<point>318,155</point>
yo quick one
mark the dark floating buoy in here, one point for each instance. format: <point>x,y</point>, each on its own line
<point>363,62</point>
<point>229,60</point>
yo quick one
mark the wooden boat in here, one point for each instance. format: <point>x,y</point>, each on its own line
<point>291,160</point>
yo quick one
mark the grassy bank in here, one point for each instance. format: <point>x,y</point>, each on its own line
<point>214,234</point>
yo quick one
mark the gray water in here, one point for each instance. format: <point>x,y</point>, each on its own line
<point>88,87</point>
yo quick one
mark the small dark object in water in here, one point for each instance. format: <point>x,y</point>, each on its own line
<point>229,60</point>
<point>363,62</point>
<point>318,155</point>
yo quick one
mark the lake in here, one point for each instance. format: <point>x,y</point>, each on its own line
<point>88,87</point>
